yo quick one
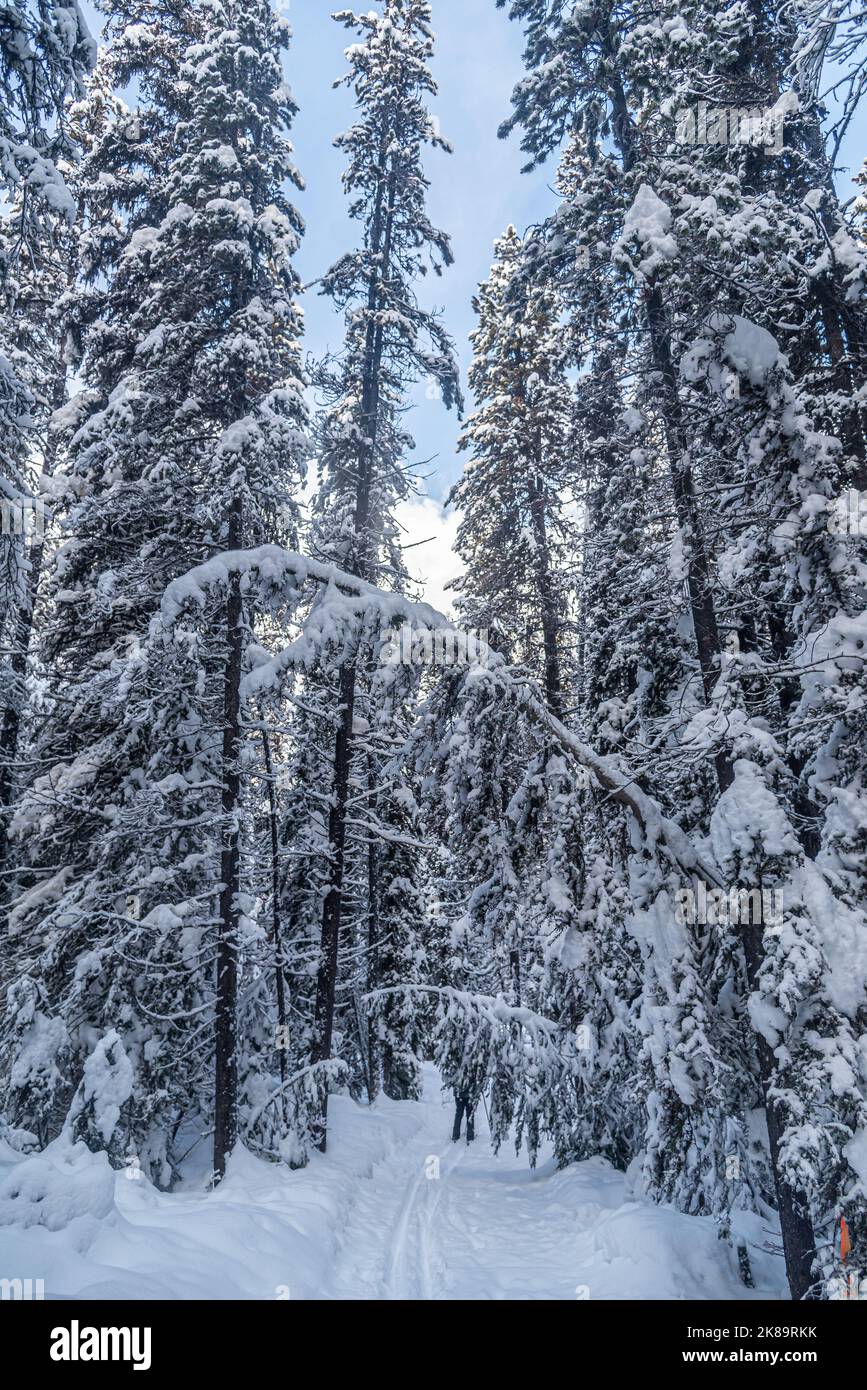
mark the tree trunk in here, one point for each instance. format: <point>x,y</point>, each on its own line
<point>547,599</point>
<point>701,601</point>
<point>374,1058</point>
<point>807,811</point>
<point>11,726</point>
<point>326,982</point>
<point>539,522</point>
<point>799,1241</point>
<point>226,1023</point>
<point>276,932</point>
<point>843,323</point>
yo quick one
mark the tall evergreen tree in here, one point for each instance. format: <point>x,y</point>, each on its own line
<point>516,536</point>
<point>187,444</point>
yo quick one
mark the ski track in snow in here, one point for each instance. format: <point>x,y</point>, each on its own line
<point>417,1213</point>
<point>366,1222</point>
<point>386,1248</point>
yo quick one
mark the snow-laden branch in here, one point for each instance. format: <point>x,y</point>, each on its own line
<point>657,827</point>
<point>286,572</point>
<point>494,1007</point>
<point>325,1073</point>
<point>280,577</point>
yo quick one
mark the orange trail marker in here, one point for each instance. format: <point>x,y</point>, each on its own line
<point>845,1240</point>
<point>845,1247</point>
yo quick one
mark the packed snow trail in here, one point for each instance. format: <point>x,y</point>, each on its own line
<point>393,1211</point>
<point>437,1220</point>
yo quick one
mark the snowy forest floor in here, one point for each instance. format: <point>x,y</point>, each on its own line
<point>365,1222</point>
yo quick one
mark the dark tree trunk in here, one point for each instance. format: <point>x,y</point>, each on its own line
<point>788,693</point>
<point>374,1057</point>
<point>326,982</point>
<point>701,601</point>
<point>843,323</point>
<point>799,1241</point>
<point>547,599</point>
<point>276,932</point>
<point>842,360</point>
<point>226,1023</point>
<point>538,501</point>
<point>361,566</point>
<point>10,729</point>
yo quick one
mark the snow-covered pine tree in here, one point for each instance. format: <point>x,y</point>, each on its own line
<point>399,1025</point>
<point>39,320</point>
<point>45,53</point>
<point>188,442</point>
<point>518,535</point>
<point>32,332</point>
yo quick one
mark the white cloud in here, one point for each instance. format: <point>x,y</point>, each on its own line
<point>434,563</point>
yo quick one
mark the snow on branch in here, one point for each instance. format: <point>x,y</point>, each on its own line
<point>284,573</point>
<point>493,1008</point>
<point>279,577</point>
